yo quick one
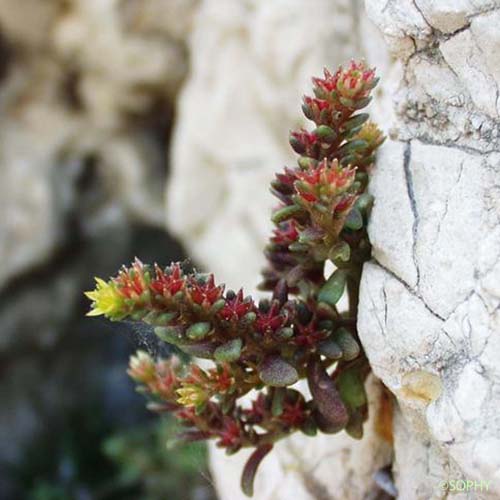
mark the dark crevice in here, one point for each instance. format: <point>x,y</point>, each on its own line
<point>413,205</point>
<point>6,56</point>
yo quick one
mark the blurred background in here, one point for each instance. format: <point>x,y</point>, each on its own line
<point>87,101</point>
<point>145,128</point>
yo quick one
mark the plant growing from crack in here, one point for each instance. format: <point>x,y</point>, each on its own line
<point>299,332</point>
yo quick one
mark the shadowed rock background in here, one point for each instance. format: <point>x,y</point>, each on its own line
<point>87,99</point>
<point>104,102</point>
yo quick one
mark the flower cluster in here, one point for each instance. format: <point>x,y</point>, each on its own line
<point>299,332</point>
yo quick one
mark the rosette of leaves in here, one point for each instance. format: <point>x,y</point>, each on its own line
<point>299,332</point>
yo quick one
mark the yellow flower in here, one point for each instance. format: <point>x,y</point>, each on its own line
<point>106,300</point>
<point>191,395</point>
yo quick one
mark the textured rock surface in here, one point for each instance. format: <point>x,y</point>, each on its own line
<point>251,62</point>
<point>82,82</point>
<point>86,98</point>
<point>430,300</point>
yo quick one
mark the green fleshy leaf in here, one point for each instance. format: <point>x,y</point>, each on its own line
<point>285,213</point>
<point>309,427</point>
<point>306,163</point>
<point>276,372</point>
<point>348,103</point>
<point>297,146</point>
<point>298,247</point>
<point>352,147</point>
<point>200,407</point>
<point>363,162</point>
<point>333,289</point>
<point>373,83</point>
<point>351,388</point>
<point>204,349</point>
<point>355,121</point>
<point>325,133</point>
<point>354,220</point>
<point>198,331</point>
<point>364,203</point>
<point>284,333</point>
<point>347,343</point>
<point>311,234</point>
<point>355,103</point>
<point>307,111</point>
<point>217,306</point>
<point>330,349</point>
<point>230,351</point>
<point>320,93</point>
<point>170,334</point>
<point>340,251</point>
<point>355,425</point>
<point>249,318</point>
<point>277,403</point>
<point>349,159</point>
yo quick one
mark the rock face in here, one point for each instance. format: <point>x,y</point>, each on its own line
<point>86,97</point>
<point>81,85</point>
<point>430,299</point>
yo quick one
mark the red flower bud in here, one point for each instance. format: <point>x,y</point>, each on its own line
<point>204,292</point>
<point>230,435</point>
<point>169,282</point>
<point>236,306</point>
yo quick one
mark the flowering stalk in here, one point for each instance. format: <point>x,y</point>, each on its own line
<point>299,332</point>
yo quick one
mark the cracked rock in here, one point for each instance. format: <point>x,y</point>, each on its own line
<point>430,307</point>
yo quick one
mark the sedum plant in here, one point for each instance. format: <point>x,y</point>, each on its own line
<point>260,350</point>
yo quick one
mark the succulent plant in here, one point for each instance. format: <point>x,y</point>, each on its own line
<point>299,332</point>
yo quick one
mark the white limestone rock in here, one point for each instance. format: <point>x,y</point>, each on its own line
<point>77,79</point>
<point>433,340</point>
